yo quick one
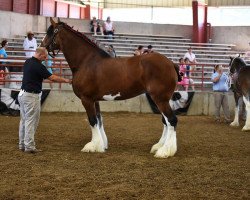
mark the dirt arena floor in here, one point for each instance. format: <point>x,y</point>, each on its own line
<point>212,161</point>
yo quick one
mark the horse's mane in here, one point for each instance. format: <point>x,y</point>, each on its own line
<point>81,35</point>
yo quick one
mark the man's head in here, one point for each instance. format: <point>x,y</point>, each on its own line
<point>41,53</point>
<point>30,35</point>
<point>190,49</point>
<point>218,68</point>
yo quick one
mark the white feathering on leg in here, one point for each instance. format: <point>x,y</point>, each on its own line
<point>96,144</point>
<point>158,145</point>
<point>247,124</point>
<point>236,117</point>
<point>169,148</point>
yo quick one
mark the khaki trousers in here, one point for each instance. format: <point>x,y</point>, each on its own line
<point>30,107</point>
<point>221,100</point>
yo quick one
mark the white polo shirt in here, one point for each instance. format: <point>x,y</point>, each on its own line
<point>191,57</point>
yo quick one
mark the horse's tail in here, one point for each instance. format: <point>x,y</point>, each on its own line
<point>177,69</point>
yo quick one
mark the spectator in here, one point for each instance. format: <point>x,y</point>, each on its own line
<point>188,73</point>
<point>220,87</point>
<point>48,64</point>
<point>139,51</point>
<point>191,57</point>
<point>30,45</point>
<point>183,72</point>
<point>29,98</point>
<point>4,45</point>
<point>149,50</point>
<point>111,51</point>
<point>96,26</point>
<point>109,27</point>
<point>3,54</point>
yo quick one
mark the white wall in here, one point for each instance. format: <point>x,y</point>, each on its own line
<point>13,24</point>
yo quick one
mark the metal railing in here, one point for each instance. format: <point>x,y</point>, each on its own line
<point>201,76</point>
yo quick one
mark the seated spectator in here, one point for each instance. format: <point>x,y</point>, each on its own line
<point>139,51</point>
<point>30,44</point>
<point>96,26</point>
<point>149,50</point>
<point>111,51</point>
<point>183,72</point>
<point>109,27</point>
<point>190,55</point>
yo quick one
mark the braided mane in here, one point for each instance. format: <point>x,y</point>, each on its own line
<point>85,38</point>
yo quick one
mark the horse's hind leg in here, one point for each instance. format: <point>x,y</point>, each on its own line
<point>236,111</point>
<point>96,144</point>
<point>162,139</point>
<point>100,124</point>
<point>167,145</point>
<point>247,103</point>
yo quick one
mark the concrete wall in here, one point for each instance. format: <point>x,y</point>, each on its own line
<point>66,101</point>
<point>238,35</point>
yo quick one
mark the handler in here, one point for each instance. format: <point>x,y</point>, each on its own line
<point>29,98</point>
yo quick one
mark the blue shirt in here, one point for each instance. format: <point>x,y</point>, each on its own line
<point>222,84</point>
<point>3,52</point>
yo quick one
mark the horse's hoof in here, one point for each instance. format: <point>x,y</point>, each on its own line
<point>155,147</point>
<point>165,152</point>
<point>246,128</point>
<point>92,147</point>
<point>234,124</point>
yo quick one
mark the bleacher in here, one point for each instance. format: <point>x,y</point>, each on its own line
<point>173,47</point>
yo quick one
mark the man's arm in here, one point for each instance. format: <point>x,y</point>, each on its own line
<point>217,78</point>
<point>59,79</point>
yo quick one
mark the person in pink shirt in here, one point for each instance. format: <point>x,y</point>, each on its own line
<point>183,72</point>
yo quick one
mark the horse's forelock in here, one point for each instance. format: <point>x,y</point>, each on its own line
<point>236,63</point>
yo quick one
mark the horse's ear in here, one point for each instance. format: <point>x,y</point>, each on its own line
<point>59,20</point>
<point>53,23</point>
<point>231,58</point>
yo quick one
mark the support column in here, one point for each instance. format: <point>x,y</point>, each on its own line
<point>199,22</point>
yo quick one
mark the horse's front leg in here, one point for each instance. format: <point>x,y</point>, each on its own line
<point>100,124</point>
<point>247,124</point>
<point>96,144</point>
<point>236,111</point>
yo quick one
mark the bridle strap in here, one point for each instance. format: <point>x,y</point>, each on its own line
<point>53,42</point>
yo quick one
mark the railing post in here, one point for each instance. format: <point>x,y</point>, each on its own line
<point>202,78</point>
<point>60,84</point>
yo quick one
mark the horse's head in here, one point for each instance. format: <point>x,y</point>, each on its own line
<point>51,41</point>
<point>236,64</point>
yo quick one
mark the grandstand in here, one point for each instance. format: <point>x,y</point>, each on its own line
<point>173,47</point>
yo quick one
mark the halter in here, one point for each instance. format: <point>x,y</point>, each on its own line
<point>52,43</point>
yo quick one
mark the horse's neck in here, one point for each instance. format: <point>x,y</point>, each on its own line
<point>76,51</point>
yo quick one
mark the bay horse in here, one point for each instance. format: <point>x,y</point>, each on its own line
<point>99,77</point>
<point>240,72</point>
